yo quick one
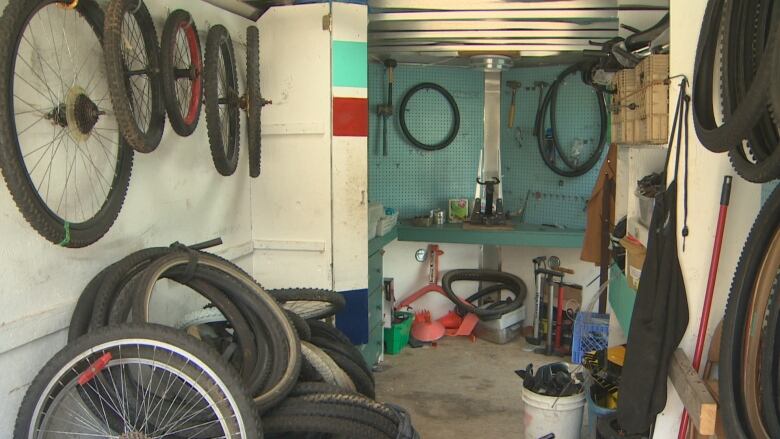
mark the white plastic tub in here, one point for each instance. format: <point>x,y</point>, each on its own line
<point>543,415</point>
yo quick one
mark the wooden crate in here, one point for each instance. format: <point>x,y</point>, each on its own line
<point>651,121</point>
<point>622,114</point>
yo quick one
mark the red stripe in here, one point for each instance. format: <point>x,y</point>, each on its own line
<point>350,117</point>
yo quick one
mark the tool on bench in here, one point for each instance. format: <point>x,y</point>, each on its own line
<point>514,85</point>
<point>385,111</point>
<point>493,213</point>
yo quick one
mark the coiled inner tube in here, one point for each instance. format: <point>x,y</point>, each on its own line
<point>454,128</point>
<point>549,103</point>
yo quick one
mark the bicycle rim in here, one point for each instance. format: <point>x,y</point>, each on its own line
<point>146,387</point>
<point>62,156</point>
<point>182,68</point>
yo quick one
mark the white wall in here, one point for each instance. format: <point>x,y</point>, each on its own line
<point>175,195</point>
<point>706,176</point>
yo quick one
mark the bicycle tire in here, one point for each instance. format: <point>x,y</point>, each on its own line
<point>223,137</point>
<point>254,100</point>
<point>362,381</point>
<point>721,138</point>
<point>310,303</point>
<point>56,227</point>
<point>287,341</point>
<point>333,338</point>
<point>347,349</point>
<point>176,78</point>
<point>770,366</point>
<point>453,132</point>
<point>189,361</point>
<point>327,368</point>
<point>550,101</point>
<point>732,344</point>
<point>121,84</point>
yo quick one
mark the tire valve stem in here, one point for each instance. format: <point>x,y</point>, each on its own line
<point>94,369</point>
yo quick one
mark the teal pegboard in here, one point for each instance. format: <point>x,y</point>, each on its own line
<point>410,179</point>
<point>555,199</point>
<point>415,181</point>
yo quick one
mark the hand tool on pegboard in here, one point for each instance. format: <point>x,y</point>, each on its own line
<point>385,111</point>
<point>514,86</point>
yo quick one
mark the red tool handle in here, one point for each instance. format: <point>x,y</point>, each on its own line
<point>725,197</point>
<point>559,319</point>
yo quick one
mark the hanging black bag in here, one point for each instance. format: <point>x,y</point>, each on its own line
<point>660,313</point>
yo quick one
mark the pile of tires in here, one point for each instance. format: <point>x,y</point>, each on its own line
<point>740,40</point>
<point>251,361</point>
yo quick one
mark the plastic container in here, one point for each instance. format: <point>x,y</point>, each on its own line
<point>387,222</point>
<point>595,411</point>
<point>397,336</point>
<point>591,333</point>
<point>543,415</point>
<point>375,212</point>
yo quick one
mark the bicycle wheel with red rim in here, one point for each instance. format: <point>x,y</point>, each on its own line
<point>181,68</point>
<point>61,154</point>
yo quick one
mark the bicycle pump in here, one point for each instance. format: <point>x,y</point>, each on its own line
<point>539,263</point>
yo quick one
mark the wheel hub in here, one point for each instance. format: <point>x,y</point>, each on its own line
<point>81,113</point>
<point>133,435</point>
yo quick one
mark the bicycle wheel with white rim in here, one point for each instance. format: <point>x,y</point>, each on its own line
<point>181,66</point>
<point>132,57</point>
<point>61,155</point>
<point>221,100</point>
<point>136,381</point>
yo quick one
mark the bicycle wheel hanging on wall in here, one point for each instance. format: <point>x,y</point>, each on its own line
<point>61,155</point>
<point>574,157</point>
<point>133,68</point>
<point>181,69</point>
<point>253,102</point>
<point>222,100</point>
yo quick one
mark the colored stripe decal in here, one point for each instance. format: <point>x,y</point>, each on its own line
<point>350,117</point>
<point>350,64</point>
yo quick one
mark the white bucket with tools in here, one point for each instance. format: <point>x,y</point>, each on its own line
<point>544,414</point>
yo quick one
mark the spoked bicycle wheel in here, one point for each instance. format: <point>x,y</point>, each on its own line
<point>181,67</point>
<point>222,100</point>
<point>136,381</point>
<point>133,69</point>
<point>60,151</point>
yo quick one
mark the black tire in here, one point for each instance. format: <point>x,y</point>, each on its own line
<point>184,116</point>
<point>58,228</point>
<point>363,381</point>
<point>144,136</point>
<point>347,349</point>
<point>326,330</point>
<point>68,362</point>
<point>454,128</point>
<point>550,102</point>
<point>732,406</point>
<point>508,281</point>
<point>744,116</point>
<point>304,388</point>
<point>223,139</point>
<point>349,416</point>
<point>310,303</point>
<point>254,100</point>
<point>770,366</point>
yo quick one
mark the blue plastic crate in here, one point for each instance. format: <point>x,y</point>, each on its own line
<point>591,333</point>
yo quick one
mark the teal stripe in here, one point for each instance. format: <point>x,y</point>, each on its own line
<point>350,64</point>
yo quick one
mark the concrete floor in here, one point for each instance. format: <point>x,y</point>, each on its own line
<point>459,389</point>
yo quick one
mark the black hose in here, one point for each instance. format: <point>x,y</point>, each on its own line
<point>455,117</point>
<point>550,103</point>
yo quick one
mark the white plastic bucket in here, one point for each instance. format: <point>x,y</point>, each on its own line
<point>543,415</point>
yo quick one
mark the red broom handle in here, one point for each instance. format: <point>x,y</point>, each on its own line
<point>725,197</point>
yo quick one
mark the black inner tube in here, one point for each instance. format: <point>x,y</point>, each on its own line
<point>550,103</point>
<point>455,117</point>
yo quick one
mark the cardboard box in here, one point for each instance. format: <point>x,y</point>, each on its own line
<point>635,260</point>
<point>570,293</point>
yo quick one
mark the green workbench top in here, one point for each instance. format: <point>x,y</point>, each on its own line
<point>376,244</point>
<point>525,235</point>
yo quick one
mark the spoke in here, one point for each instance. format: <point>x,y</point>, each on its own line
<point>44,80</point>
<point>19,133</point>
<point>56,52</point>
<point>48,147</point>
<point>67,175</point>
<point>35,89</point>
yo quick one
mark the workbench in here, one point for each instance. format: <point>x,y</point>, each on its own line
<point>522,235</point>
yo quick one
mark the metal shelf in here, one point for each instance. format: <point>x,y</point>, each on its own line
<point>523,235</point>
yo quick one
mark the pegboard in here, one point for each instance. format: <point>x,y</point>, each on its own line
<point>410,179</point>
<point>415,181</point>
